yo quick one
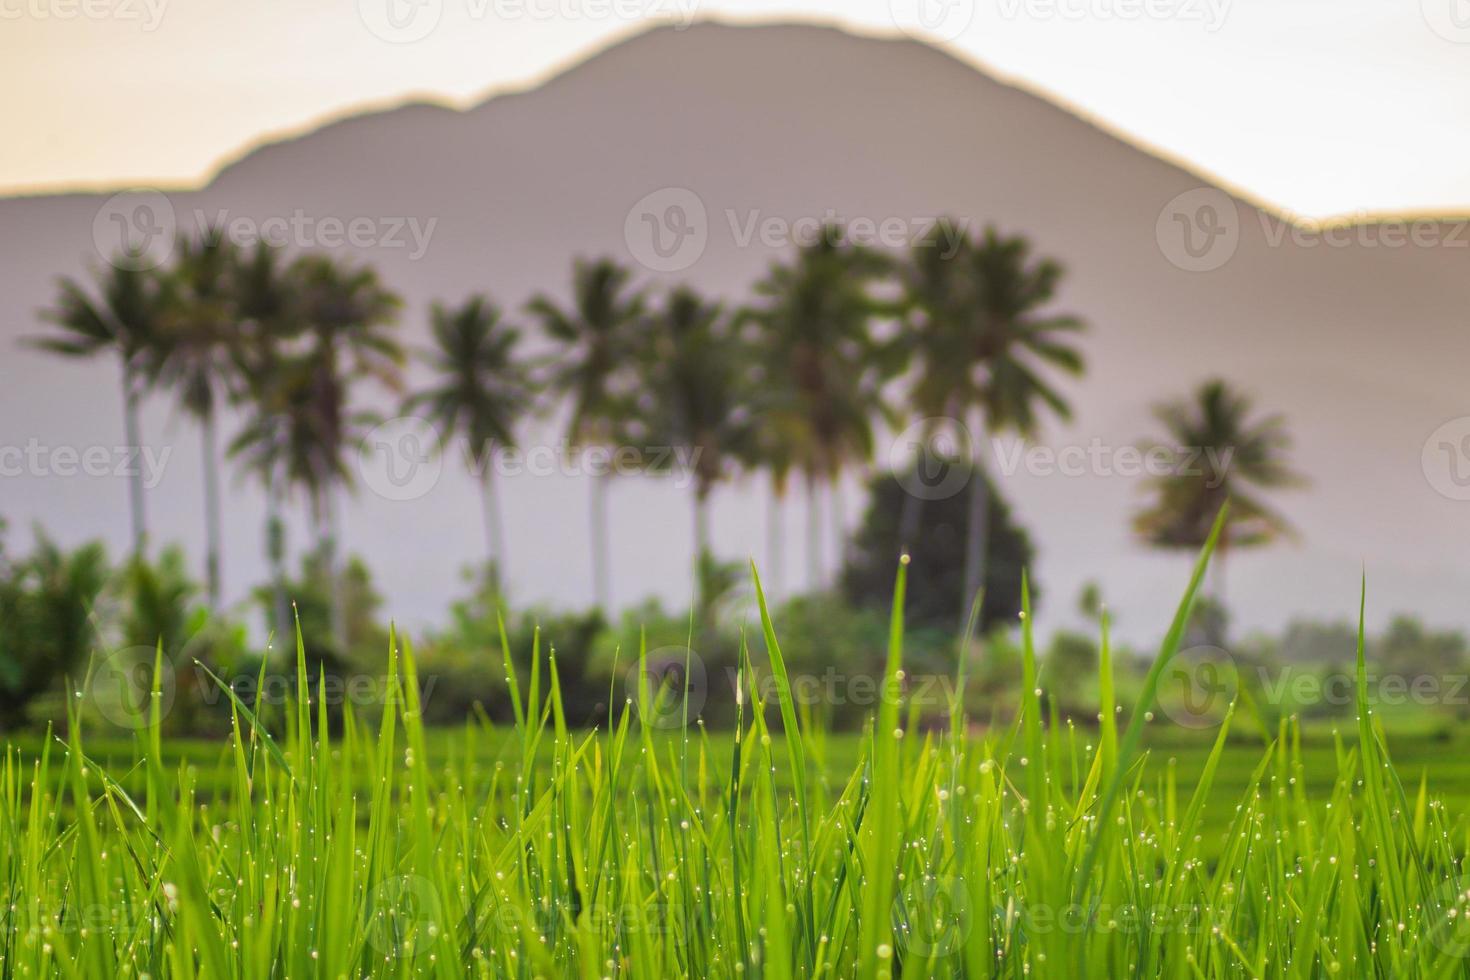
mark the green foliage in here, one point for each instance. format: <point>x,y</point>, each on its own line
<point>311,598</point>
<point>1216,450</point>
<point>937,574</point>
<point>47,631</point>
<point>640,850</point>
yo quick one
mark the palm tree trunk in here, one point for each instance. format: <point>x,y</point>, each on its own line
<point>275,549</point>
<point>776,540</point>
<point>133,435</point>
<point>813,533</point>
<point>328,532</point>
<point>701,527</point>
<point>977,530</point>
<point>212,548</point>
<point>839,523</point>
<point>494,532</point>
<point>600,584</point>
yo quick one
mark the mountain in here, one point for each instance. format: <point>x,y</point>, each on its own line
<point>1358,335</point>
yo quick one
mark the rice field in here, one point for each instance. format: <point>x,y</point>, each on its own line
<point>354,849</point>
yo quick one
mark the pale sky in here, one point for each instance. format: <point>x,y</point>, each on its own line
<point>1317,107</point>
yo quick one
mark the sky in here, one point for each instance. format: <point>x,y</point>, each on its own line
<point>1317,108</point>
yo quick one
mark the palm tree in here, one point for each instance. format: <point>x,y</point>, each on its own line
<point>982,338</point>
<point>596,334</point>
<point>122,321</point>
<point>195,358</point>
<point>1217,451</point>
<point>272,395</point>
<point>481,392</point>
<point>696,396</point>
<point>775,449</point>
<point>823,369</point>
<point>346,315</point>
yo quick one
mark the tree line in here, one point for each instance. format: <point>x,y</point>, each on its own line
<point>832,342</point>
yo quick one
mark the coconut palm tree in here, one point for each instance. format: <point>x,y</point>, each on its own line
<point>199,330</point>
<point>696,396</point>
<point>597,336</point>
<point>347,316</point>
<point>481,392</point>
<point>271,394</point>
<point>775,450</point>
<point>823,369</point>
<point>1218,450</point>
<point>984,338</point>
<point>121,321</point>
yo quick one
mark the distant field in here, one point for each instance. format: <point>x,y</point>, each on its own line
<point>1437,758</point>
